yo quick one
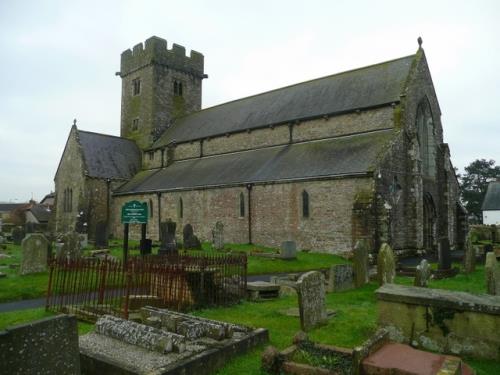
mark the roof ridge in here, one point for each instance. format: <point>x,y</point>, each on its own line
<point>105,135</point>
<point>297,84</point>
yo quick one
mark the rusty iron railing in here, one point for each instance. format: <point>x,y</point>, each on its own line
<point>93,287</point>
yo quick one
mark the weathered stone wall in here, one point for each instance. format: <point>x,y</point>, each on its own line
<point>187,150</point>
<point>276,211</point>
<point>70,174</point>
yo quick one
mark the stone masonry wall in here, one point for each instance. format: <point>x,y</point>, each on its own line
<point>276,213</point>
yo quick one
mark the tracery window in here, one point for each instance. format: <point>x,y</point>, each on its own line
<point>426,139</point>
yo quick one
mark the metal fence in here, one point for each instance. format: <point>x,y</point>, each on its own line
<point>92,287</point>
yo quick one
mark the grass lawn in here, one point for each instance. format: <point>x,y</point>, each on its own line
<point>16,287</point>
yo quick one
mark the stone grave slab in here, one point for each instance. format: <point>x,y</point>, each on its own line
<point>47,346</point>
<point>360,262</point>
<point>168,243</point>
<point>262,290</point>
<point>312,305</point>
<point>189,240</point>
<point>386,265</point>
<point>340,277</point>
<point>34,253</point>
<point>288,250</point>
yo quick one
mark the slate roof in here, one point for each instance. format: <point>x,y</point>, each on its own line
<point>41,213</point>
<point>349,155</point>
<point>492,197</point>
<point>107,156</point>
<point>367,87</point>
<point>7,207</point>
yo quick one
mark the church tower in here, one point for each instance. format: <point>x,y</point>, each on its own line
<point>158,86</point>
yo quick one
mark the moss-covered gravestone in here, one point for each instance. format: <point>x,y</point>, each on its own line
<point>312,306</point>
<point>469,255</point>
<point>386,265</point>
<point>218,236</point>
<point>422,274</point>
<point>492,274</point>
<point>35,250</point>
<point>360,261</point>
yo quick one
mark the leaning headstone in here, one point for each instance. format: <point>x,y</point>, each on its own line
<point>469,255</point>
<point>360,261</point>
<point>17,235</point>
<point>218,236</point>
<point>47,346</point>
<point>168,244</point>
<point>101,235</point>
<point>386,265</point>
<point>71,246</point>
<point>492,274</point>
<point>35,250</point>
<point>444,254</point>
<point>340,277</point>
<point>311,292</point>
<point>288,250</point>
<point>189,240</point>
<point>422,274</point>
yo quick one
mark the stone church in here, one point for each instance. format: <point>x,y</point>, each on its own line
<point>353,155</point>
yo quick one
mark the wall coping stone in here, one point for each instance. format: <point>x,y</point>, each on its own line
<point>461,301</point>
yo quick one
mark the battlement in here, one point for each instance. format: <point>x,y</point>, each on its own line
<point>155,50</point>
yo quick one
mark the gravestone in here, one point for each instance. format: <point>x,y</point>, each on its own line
<point>341,277</point>
<point>422,274</point>
<point>444,254</point>
<point>492,274</point>
<point>386,265</point>
<point>218,236</point>
<point>17,235</point>
<point>493,233</point>
<point>288,250</point>
<point>168,244</point>
<point>101,235</point>
<point>48,346</point>
<point>189,240</point>
<point>469,255</point>
<point>360,262</point>
<point>71,246</point>
<point>84,240</point>
<point>311,292</point>
<point>35,250</point>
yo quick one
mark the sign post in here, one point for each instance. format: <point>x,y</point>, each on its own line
<point>133,212</point>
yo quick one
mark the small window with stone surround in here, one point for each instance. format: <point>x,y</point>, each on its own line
<point>151,155</point>
<point>180,209</point>
<point>242,205</point>
<point>135,124</point>
<point>136,86</point>
<point>177,88</point>
<point>305,204</point>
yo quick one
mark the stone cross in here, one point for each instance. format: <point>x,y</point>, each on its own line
<point>469,255</point>
<point>386,265</point>
<point>35,250</point>
<point>311,292</point>
<point>360,260</point>
<point>492,274</point>
<point>422,274</point>
<point>218,236</point>
<point>288,250</point>
<point>189,240</point>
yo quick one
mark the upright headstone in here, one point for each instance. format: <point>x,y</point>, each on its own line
<point>422,274</point>
<point>71,248</point>
<point>340,278</point>
<point>35,250</point>
<point>469,255</point>
<point>444,254</point>
<point>84,240</point>
<point>218,236</point>
<point>360,260</point>
<point>168,244</point>
<point>47,346</point>
<point>492,274</point>
<point>386,265</point>
<point>101,235</point>
<point>311,293</point>
<point>189,240</point>
<point>288,250</point>
<point>17,235</point>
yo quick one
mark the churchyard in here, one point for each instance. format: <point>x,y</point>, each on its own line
<point>347,318</point>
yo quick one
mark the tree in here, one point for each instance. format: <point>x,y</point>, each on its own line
<point>474,183</point>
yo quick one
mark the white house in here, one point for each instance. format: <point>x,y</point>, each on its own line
<point>491,204</point>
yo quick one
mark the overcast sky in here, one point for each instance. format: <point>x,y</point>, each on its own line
<point>58,60</point>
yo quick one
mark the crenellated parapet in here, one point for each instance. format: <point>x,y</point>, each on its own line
<point>155,51</point>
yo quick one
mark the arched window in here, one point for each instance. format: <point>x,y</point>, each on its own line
<point>426,140</point>
<point>242,205</point>
<point>305,204</point>
<point>181,209</point>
